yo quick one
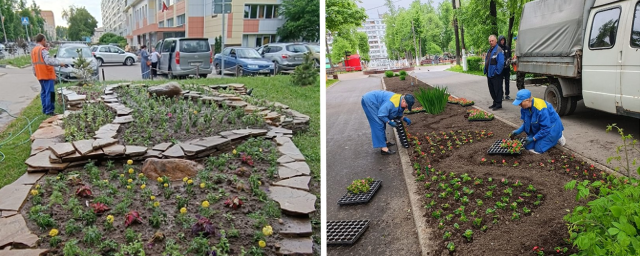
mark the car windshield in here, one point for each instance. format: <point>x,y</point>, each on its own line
<point>248,54</point>
<point>315,48</point>
<point>70,52</point>
<point>192,46</point>
<point>297,48</point>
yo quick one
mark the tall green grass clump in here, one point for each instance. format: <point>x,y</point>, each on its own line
<point>433,100</point>
<point>388,73</point>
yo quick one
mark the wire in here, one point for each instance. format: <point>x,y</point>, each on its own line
<point>382,5</point>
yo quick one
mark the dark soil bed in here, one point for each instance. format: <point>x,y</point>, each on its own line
<point>465,146</point>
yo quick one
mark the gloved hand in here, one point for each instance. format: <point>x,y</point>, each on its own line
<point>407,120</point>
<point>529,140</point>
<point>393,124</point>
<point>515,133</point>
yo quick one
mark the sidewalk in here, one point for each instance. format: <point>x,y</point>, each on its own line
<point>350,156</point>
<point>18,87</point>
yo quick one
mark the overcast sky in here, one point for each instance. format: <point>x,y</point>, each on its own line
<point>374,7</point>
<point>93,6</point>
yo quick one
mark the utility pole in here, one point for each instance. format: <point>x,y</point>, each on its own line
<point>3,30</point>
<point>222,47</point>
<point>414,43</point>
<point>455,28</point>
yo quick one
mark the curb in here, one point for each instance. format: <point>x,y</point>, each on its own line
<point>334,84</point>
<point>421,228</point>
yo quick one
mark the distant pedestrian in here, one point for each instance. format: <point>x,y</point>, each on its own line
<point>155,57</point>
<point>145,63</point>
<point>381,108</point>
<point>493,65</point>
<point>45,73</point>
<point>506,71</point>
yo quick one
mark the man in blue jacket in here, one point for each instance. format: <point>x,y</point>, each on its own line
<point>493,65</point>
<point>541,123</point>
<point>381,108</point>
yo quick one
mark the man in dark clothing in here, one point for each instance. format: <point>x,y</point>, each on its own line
<point>506,71</point>
<point>494,63</point>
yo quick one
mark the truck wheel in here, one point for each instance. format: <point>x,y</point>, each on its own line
<point>573,102</point>
<point>520,80</point>
<point>553,94</point>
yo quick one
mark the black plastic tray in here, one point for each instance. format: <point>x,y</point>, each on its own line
<point>466,105</point>
<point>495,149</point>
<point>402,134</point>
<point>360,198</point>
<point>479,120</point>
<point>415,112</point>
<point>345,232</point>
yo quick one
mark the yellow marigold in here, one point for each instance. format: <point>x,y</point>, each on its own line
<point>143,186</point>
<point>106,181</point>
<point>267,230</point>
<point>260,149</point>
<point>160,179</point>
<point>166,185</point>
<point>205,204</point>
<point>57,178</point>
<point>195,112</point>
<point>34,192</point>
<point>156,204</point>
<point>129,162</point>
<point>185,179</point>
<point>38,186</point>
<point>259,183</point>
<point>234,151</point>
<point>153,198</point>
<point>189,181</point>
<point>129,180</point>
<point>128,187</point>
<point>140,175</point>
<point>53,232</point>
<point>183,210</point>
<point>110,218</point>
<point>130,170</point>
<point>202,185</point>
<point>122,175</point>
<point>262,244</point>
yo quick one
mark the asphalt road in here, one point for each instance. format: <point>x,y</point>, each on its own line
<point>584,130</point>
<point>18,87</point>
<point>350,156</point>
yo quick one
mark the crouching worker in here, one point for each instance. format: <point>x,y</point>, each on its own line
<point>541,123</point>
<point>381,107</point>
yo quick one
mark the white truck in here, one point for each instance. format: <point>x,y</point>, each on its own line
<point>589,50</point>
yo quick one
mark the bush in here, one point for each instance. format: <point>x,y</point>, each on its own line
<point>388,73</point>
<point>402,77</point>
<point>403,73</point>
<point>474,63</point>
<point>396,74</point>
<point>433,100</point>
<point>305,74</point>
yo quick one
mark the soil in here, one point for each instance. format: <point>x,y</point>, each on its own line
<point>222,183</point>
<point>548,173</point>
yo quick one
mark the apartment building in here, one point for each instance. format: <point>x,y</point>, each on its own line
<point>375,29</point>
<point>250,23</point>
<point>113,16</point>
<point>49,24</point>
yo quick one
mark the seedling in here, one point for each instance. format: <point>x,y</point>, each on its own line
<point>468,234</point>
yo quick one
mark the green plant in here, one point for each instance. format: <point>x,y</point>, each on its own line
<point>71,248</point>
<point>468,234</point>
<point>627,147</point>
<point>388,73</point>
<point>131,236</point>
<point>403,77</point>
<point>272,209</point>
<point>135,248</point>
<point>446,235</point>
<point>71,227</point>
<point>108,245</point>
<point>402,73</point>
<point>451,246</point>
<point>360,185</point>
<point>172,249</point>
<point>474,63</point>
<point>433,100</point>
<point>92,236</point>
<point>305,74</point>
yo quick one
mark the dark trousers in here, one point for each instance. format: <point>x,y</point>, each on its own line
<point>495,89</point>
<point>154,71</point>
<point>47,96</point>
<point>507,74</point>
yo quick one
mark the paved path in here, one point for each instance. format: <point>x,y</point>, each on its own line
<point>18,87</point>
<point>584,130</point>
<point>350,156</point>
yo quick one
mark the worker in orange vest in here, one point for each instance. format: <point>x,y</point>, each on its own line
<point>43,70</point>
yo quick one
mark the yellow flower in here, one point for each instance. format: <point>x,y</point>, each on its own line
<point>143,186</point>
<point>202,185</point>
<point>153,198</point>
<point>129,180</point>
<point>130,170</point>
<point>129,162</point>
<point>128,187</point>
<point>122,175</point>
<point>185,179</point>
<point>156,204</point>
<point>267,230</point>
<point>166,185</point>
<point>140,175</point>
<point>260,149</point>
<point>110,218</point>
<point>53,232</point>
<point>38,186</point>
<point>259,183</point>
<point>234,151</point>
<point>34,192</point>
<point>262,244</point>
<point>106,181</point>
<point>183,210</point>
<point>190,182</point>
<point>195,112</point>
<point>57,178</point>
<point>205,204</point>
<point>160,179</point>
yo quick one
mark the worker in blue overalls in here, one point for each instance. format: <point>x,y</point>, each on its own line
<point>541,123</point>
<point>381,108</point>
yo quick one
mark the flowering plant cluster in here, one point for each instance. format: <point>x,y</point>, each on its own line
<point>360,185</point>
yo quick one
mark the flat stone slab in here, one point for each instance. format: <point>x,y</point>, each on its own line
<point>233,136</point>
<point>293,201</point>
<point>40,145</point>
<point>105,135</point>
<point>162,146</point>
<point>29,178</point>
<point>153,153</point>
<point>108,128</point>
<point>293,169</point>
<point>123,111</point>
<point>22,252</point>
<point>49,132</point>
<point>296,246</point>
<point>285,159</point>
<point>14,230</point>
<point>83,146</point>
<point>123,119</point>
<point>295,226</point>
<point>41,161</point>
<point>76,97</point>
<point>301,182</point>
<point>174,152</point>
<point>101,143</point>
<point>13,196</point>
<point>211,142</point>
<point>7,214</point>
<point>281,130</point>
<point>190,149</point>
<point>283,140</point>
<point>135,150</point>
<point>114,150</point>
<point>175,169</point>
<point>291,150</point>
<point>62,149</point>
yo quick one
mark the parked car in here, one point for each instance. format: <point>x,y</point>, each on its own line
<point>285,56</point>
<point>67,54</point>
<point>182,57</point>
<point>2,47</point>
<point>243,61</point>
<point>112,54</point>
<point>315,51</point>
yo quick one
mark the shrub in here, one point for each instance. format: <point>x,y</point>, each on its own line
<point>402,77</point>
<point>305,74</point>
<point>433,100</point>
<point>396,74</point>
<point>403,73</point>
<point>388,73</point>
<point>474,63</point>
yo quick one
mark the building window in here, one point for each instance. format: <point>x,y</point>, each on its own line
<point>265,39</point>
<point>254,11</point>
<point>161,24</point>
<point>170,22</point>
<point>180,20</point>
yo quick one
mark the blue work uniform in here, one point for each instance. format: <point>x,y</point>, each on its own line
<point>380,107</point>
<point>542,123</point>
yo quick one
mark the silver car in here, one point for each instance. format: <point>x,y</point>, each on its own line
<point>68,54</point>
<point>285,56</point>
<point>112,54</point>
<point>182,57</point>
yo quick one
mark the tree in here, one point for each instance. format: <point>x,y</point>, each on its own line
<point>342,15</point>
<point>106,38</point>
<point>363,45</point>
<point>305,74</point>
<point>81,22</point>
<point>61,32</point>
<point>340,46</point>
<point>302,20</point>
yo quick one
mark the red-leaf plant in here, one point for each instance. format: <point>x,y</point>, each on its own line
<point>84,191</point>
<point>246,159</point>
<point>234,202</point>
<point>203,227</point>
<point>99,208</point>
<point>131,218</point>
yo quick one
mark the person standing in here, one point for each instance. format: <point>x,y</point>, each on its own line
<point>381,108</point>
<point>541,123</point>
<point>493,65</point>
<point>145,62</point>
<point>506,71</point>
<point>155,56</point>
<point>45,73</point>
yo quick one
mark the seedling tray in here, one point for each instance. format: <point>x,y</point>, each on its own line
<point>495,149</point>
<point>345,232</point>
<point>466,105</point>
<point>480,120</point>
<point>360,198</point>
<point>414,112</point>
<point>402,134</point>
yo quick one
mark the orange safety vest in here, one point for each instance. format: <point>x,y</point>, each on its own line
<point>43,71</point>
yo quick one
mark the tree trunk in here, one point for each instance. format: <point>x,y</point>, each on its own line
<point>455,28</point>
<point>462,37</point>
<point>493,13</point>
<point>510,33</point>
<point>328,51</point>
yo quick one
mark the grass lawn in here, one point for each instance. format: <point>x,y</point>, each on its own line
<point>17,61</point>
<point>458,68</point>
<point>330,82</point>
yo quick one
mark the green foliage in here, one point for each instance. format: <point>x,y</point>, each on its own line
<point>71,227</point>
<point>388,73</point>
<point>81,22</point>
<point>301,20</point>
<point>474,63</point>
<point>92,236</point>
<point>629,145</point>
<point>272,209</point>
<point>199,246</point>
<point>403,73</point>
<point>71,248</point>
<point>305,74</point>
<point>433,100</point>
<point>363,45</point>
<point>135,248</point>
<point>172,249</point>
<point>402,77</point>
<point>342,14</point>
<point>131,236</point>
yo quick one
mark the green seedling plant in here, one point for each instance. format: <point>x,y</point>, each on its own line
<point>468,234</point>
<point>360,185</point>
<point>451,246</point>
<point>447,235</point>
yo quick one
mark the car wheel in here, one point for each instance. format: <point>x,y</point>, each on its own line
<point>203,76</point>
<point>128,61</point>
<point>218,69</point>
<point>239,71</point>
<point>99,62</point>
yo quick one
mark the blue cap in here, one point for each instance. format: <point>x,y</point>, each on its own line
<point>523,94</point>
<point>410,100</point>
